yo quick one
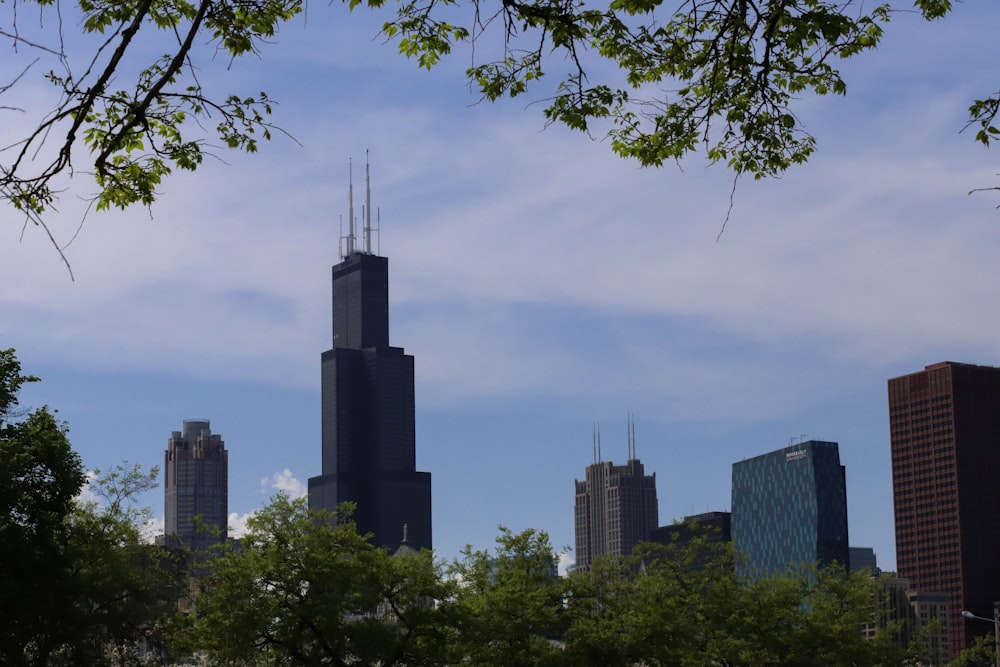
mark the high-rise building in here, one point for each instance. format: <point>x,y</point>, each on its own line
<point>196,487</point>
<point>368,429</point>
<point>862,557</point>
<point>944,428</point>
<point>708,526</point>
<point>616,506</point>
<point>790,508</point>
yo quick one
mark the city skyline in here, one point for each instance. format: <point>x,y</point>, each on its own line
<point>539,282</point>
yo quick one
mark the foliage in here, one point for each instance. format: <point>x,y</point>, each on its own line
<point>138,116</point>
<point>719,77</point>
<point>307,589</point>
<point>77,584</point>
<point>303,591</point>
<point>982,653</point>
<point>685,605</point>
<point>508,610</point>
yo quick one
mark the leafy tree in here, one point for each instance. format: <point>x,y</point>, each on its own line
<point>302,589</point>
<point>40,476</point>
<point>685,605</point>
<point>508,610</point>
<point>713,76</point>
<point>982,653</point>
<point>77,584</point>
<point>811,616</point>
<point>123,592</point>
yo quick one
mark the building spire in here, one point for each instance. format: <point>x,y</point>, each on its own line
<point>368,207</point>
<point>631,436</point>
<point>350,208</point>
<point>597,442</point>
<point>594,437</point>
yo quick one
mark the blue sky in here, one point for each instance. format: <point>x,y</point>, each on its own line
<point>541,283</point>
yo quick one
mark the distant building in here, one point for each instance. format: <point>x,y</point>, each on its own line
<point>368,413</point>
<point>790,508</point>
<point>944,428</point>
<point>712,526</point>
<point>894,610</point>
<point>862,557</point>
<point>930,611</point>
<point>710,530</point>
<point>196,487</point>
<point>912,616</point>
<point>616,507</point>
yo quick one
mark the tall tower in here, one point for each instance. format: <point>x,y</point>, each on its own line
<point>368,431</point>
<point>944,429</point>
<point>196,487</point>
<point>616,506</point>
<point>790,508</point>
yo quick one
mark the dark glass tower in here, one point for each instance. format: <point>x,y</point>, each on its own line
<point>790,508</point>
<point>944,428</point>
<point>368,432</point>
<point>196,487</point>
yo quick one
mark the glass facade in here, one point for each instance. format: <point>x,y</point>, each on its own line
<point>790,508</point>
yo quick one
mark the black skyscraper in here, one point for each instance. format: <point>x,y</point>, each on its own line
<point>369,440</point>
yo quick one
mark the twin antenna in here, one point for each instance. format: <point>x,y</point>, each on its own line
<point>348,244</point>
<point>631,439</point>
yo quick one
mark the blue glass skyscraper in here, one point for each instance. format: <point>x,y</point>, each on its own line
<point>790,508</point>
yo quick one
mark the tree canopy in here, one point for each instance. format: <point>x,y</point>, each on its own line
<point>308,589</point>
<point>78,584</point>
<point>304,590</point>
<point>715,77</point>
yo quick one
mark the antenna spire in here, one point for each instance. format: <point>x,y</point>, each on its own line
<point>368,207</point>
<point>598,441</point>
<point>631,436</point>
<point>350,207</point>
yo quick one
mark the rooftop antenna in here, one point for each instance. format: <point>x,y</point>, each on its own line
<point>340,238</point>
<point>350,207</point>
<point>631,436</point>
<point>368,207</point>
<point>598,441</point>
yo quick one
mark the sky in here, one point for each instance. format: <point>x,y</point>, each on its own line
<point>542,284</point>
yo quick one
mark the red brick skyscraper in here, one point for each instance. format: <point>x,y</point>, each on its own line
<point>944,426</point>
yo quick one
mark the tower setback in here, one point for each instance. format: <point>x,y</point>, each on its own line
<point>368,414</point>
